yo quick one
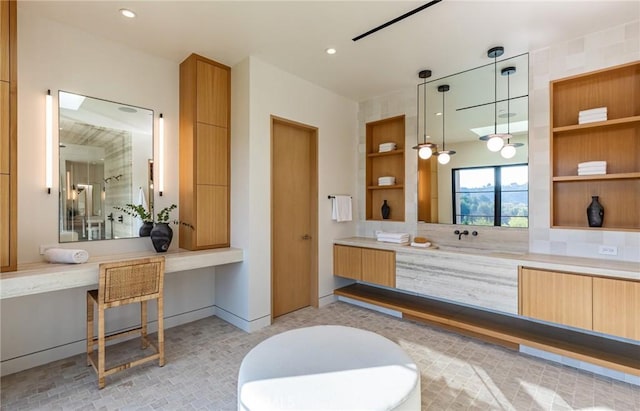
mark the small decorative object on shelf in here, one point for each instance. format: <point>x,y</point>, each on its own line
<point>595,213</point>
<point>385,210</point>
<point>162,234</point>
<point>139,211</point>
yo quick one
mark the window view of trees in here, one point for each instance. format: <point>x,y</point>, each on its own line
<point>496,195</point>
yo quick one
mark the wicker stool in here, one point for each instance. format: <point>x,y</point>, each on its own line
<point>123,283</point>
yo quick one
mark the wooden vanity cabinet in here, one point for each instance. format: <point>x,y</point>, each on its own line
<point>8,137</point>
<point>606,305</point>
<point>205,87</point>
<point>365,264</point>
<point>616,307</point>
<point>556,297</point>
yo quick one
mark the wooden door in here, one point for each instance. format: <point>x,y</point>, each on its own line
<point>556,297</point>
<point>293,217</point>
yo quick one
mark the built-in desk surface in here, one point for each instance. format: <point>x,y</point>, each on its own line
<point>44,277</point>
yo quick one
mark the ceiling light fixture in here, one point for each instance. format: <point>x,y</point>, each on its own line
<point>331,51</point>
<point>444,156</point>
<point>425,150</point>
<point>495,141</point>
<point>127,13</point>
<point>509,149</point>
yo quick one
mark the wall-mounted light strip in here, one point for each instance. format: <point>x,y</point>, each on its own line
<point>48,141</point>
<point>161,154</point>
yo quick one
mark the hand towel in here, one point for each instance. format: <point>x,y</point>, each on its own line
<point>597,110</point>
<point>62,255</point>
<point>341,208</point>
<point>421,245</point>
<point>593,164</point>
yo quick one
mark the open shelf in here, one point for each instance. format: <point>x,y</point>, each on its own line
<point>616,141</point>
<point>388,163</point>
<point>507,330</point>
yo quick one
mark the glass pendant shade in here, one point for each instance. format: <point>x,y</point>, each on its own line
<point>425,152</point>
<point>508,151</point>
<point>444,157</point>
<point>495,142</point>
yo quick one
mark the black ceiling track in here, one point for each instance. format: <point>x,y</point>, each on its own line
<point>397,19</point>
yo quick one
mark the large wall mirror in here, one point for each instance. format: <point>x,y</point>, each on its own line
<point>106,161</point>
<point>477,186</point>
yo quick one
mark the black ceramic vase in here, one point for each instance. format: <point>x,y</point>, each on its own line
<point>385,210</point>
<point>161,236</point>
<point>595,213</point>
<point>146,228</point>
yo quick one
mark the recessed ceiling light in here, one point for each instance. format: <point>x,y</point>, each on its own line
<point>330,50</point>
<point>127,13</point>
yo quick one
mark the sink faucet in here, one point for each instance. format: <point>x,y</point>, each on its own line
<point>461,233</point>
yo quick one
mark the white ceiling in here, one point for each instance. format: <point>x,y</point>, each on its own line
<point>448,37</point>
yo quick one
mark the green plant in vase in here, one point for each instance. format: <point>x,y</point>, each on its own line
<point>162,234</point>
<point>138,211</point>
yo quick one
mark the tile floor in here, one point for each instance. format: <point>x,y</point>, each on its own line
<point>203,358</point>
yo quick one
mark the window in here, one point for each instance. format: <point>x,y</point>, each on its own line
<point>495,195</point>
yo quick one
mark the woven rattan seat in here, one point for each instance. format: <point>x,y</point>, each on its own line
<point>123,283</point>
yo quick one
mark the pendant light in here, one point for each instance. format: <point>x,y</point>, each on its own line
<point>509,149</point>
<point>425,150</point>
<point>444,156</point>
<point>495,141</point>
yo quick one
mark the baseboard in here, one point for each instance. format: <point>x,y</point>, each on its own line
<point>242,323</point>
<point>72,348</point>
<point>326,300</point>
<point>373,307</point>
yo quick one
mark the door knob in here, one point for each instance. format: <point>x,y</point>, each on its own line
<point>306,237</point>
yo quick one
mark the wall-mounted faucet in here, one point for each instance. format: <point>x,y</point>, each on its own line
<point>461,233</point>
<point>465,232</point>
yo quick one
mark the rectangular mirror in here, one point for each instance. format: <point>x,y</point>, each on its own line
<point>478,102</point>
<point>106,157</point>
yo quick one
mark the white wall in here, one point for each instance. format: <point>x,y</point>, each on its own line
<point>58,57</point>
<point>610,47</point>
<point>271,91</point>
<point>45,327</point>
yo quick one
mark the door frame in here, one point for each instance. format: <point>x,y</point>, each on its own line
<point>313,188</point>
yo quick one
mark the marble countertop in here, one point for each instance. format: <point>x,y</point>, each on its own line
<point>593,266</point>
<point>42,277</point>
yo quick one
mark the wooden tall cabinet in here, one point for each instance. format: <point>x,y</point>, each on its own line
<point>385,164</point>
<point>616,141</point>
<point>205,117</point>
<point>8,137</point>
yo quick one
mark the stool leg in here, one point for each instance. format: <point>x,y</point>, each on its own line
<point>161,330</point>
<point>101,347</point>
<point>89,327</point>
<point>143,324</point>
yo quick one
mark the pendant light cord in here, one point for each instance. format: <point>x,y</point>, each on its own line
<point>495,94</point>
<point>424,109</point>
<point>508,106</point>
<point>443,110</point>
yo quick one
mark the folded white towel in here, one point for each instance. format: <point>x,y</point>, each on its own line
<point>394,241</point>
<point>62,255</point>
<point>591,173</point>
<point>597,110</point>
<point>391,235</point>
<point>591,118</point>
<point>421,245</point>
<point>593,164</point>
<point>341,208</point>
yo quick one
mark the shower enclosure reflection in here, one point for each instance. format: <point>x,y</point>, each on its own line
<point>105,155</point>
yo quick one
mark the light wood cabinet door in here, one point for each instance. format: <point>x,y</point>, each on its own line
<point>616,307</point>
<point>5,256</point>
<point>556,297</point>
<point>347,261</point>
<point>212,101</point>
<point>212,165</point>
<point>379,267</point>
<point>5,141</point>
<point>5,41</point>
<point>212,227</point>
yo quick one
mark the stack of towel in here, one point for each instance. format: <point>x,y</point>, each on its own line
<point>590,168</point>
<point>386,181</point>
<point>384,147</point>
<point>397,238</point>
<point>593,115</point>
<point>420,242</point>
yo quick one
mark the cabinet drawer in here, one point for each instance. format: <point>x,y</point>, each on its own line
<point>379,267</point>
<point>347,261</point>
<point>616,307</point>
